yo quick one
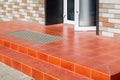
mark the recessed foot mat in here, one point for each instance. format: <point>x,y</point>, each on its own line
<point>37,37</point>
<point>8,73</point>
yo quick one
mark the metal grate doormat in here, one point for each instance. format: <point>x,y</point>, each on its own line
<point>37,37</point>
<point>8,73</point>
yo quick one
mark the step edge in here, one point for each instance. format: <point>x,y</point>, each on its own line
<point>32,67</point>
<point>2,42</point>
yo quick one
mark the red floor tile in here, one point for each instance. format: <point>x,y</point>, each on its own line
<point>67,65</point>
<point>23,49</point>
<point>37,74</point>
<point>83,70</point>
<point>6,43</point>
<point>42,56</point>
<point>91,63</point>
<point>14,46</point>
<point>32,52</point>
<point>1,42</point>
<point>106,58</point>
<point>54,60</point>
<point>27,70</point>
<point>96,75</point>
<point>48,77</point>
<point>7,60</point>
<point>16,65</point>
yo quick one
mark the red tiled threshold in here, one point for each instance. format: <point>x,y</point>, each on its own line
<point>38,69</point>
<point>81,52</point>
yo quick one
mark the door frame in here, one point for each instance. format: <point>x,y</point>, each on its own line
<point>75,12</point>
<point>77,22</point>
<point>97,17</point>
<point>65,14</point>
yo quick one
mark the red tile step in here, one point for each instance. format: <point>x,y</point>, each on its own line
<point>38,69</point>
<point>104,62</point>
<point>101,72</point>
<point>48,58</point>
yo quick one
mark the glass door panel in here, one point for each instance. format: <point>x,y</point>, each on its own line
<point>85,15</point>
<point>70,10</point>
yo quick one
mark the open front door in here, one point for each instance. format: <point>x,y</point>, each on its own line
<point>85,15</point>
<point>69,11</point>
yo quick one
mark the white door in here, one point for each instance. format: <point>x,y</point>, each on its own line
<point>69,11</point>
<point>85,15</point>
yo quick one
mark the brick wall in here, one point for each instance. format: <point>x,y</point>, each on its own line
<point>22,10</point>
<point>109,17</point>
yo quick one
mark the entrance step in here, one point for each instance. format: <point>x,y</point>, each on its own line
<point>24,53</point>
<point>38,69</point>
<point>81,53</point>
<point>101,72</point>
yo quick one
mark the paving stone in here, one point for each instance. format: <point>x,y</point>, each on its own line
<point>8,73</point>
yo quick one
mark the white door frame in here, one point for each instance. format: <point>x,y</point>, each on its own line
<point>77,14</point>
<point>65,14</point>
<point>76,17</point>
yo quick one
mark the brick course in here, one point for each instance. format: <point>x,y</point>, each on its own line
<point>109,18</point>
<point>22,10</point>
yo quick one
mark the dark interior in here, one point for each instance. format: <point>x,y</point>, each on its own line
<point>53,12</point>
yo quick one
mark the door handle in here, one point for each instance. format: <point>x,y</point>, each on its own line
<point>64,16</point>
<point>77,11</point>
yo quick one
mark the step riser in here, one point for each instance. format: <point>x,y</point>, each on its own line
<point>40,55</point>
<point>26,69</point>
<point>56,61</point>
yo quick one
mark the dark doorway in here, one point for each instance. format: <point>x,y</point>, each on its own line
<point>70,10</point>
<point>53,12</point>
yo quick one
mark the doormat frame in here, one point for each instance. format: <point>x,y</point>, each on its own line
<point>37,37</point>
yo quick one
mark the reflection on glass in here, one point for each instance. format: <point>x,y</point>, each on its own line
<point>70,10</point>
<point>87,15</point>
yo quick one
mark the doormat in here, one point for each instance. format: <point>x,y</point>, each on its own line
<point>37,37</point>
<point>8,73</point>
